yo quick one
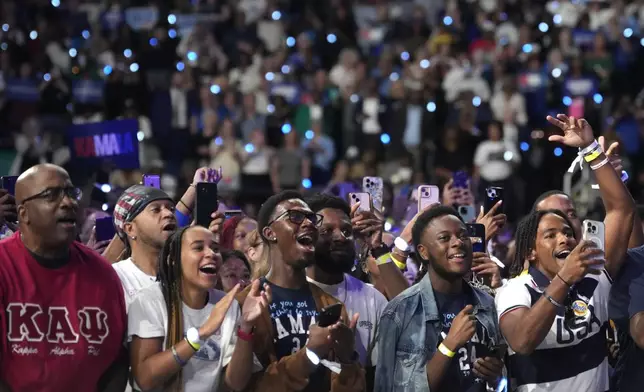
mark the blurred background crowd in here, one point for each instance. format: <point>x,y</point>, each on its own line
<point>312,94</point>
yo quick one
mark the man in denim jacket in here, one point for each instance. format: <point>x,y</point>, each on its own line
<point>440,334</point>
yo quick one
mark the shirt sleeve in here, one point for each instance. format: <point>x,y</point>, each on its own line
<point>146,318</point>
<point>512,296</point>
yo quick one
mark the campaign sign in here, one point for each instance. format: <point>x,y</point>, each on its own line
<point>115,142</point>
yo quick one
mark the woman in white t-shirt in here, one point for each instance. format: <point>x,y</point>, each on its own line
<point>183,332</point>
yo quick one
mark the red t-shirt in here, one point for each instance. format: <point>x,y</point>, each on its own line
<point>61,328</point>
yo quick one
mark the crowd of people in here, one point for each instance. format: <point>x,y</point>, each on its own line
<point>287,106</point>
<point>315,294</point>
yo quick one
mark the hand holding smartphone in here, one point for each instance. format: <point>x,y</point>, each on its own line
<point>330,315</point>
<point>104,229</point>
<point>493,195</point>
<point>476,232</point>
<point>9,184</point>
<point>206,202</point>
<point>375,188</point>
<point>362,198</point>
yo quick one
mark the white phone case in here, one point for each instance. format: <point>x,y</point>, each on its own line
<point>427,195</point>
<point>363,198</point>
<point>594,231</point>
<point>374,187</point>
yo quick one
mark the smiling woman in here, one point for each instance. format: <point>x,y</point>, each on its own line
<point>183,317</point>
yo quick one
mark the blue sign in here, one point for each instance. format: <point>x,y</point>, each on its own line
<point>88,91</point>
<point>22,90</point>
<point>115,142</point>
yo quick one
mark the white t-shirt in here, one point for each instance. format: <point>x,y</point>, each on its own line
<point>358,297</point>
<point>495,159</point>
<point>132,278</point>
<point>572,357</point>
<point>148,318</point>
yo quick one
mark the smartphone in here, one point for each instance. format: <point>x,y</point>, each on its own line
<point>427,195</point>
<point>363,198</point>
<point>152,180</point>
<point>476,232</point>
<point>104,228</point>
<point>460,179</point>
<point>330,315</point>
<point>594,231</point>
<point>499,350</point>
<point>9,184</point>
<point>206,202</point>
<point>467,213</point>
<point>493,195</point>
<point>374,187</point>
<point>231,213</point>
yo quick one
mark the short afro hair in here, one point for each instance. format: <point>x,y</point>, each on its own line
<point>268,208</point>
<point>546,195</point>
<point>320,201</point>
<point>426,218</point>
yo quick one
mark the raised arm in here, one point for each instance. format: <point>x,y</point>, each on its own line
<point>619,205</point>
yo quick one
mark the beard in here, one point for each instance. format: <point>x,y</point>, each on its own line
<point>335,259</point>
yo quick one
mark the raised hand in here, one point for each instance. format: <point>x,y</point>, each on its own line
<point>254,304</point>
<point>98,246</point>
<point>483,266</point>
<point>368,225</point>
<point>7,207</point>
<point>218,314</point>
<point>493,222</point>
<point>577,132</point>
<point>216,224</point>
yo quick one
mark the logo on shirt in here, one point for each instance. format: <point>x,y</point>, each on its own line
<point>27,321</point>
<point>366,325</point>
<point>580,308</point>
<point>210,351</point>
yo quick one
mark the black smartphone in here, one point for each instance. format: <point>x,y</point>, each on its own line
<point>206,203</point>
<point>330,315</point>
<point>105,228</point>
<point>152,180</point>
<point>9,184</point>
<point>230,213</point>
<point>476,232</point>
<point>499,350</point>
<point>493,195</point>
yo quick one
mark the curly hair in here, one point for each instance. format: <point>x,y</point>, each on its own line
<point>526,238</point>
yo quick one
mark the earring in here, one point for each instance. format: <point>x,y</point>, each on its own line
<point>133,238</point>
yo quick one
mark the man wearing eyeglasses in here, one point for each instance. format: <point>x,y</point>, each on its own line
<point>296,353</point>
<point>62,311</point>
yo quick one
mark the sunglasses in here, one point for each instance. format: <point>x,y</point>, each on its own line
<point>56,193</point>
<point>298,217</point>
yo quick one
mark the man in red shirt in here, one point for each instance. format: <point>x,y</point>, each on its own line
<point>62,311</point>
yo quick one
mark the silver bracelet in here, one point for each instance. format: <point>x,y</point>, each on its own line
<point>552,300</point>
<point>177,358</point>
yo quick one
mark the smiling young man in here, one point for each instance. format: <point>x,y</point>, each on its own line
<point>144,219</point>
<point>334,258</point>
<point>438,334</point>
<point>287,341</point>
<point>62,311</point>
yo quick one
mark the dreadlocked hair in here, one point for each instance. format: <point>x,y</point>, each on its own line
<point>418,229</point>
<point>526,238</point>
<point>169,275</point>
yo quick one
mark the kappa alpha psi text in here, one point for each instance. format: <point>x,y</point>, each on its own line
<point>30,324</point>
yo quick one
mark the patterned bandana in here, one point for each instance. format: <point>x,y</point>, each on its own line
<point>134,200</point>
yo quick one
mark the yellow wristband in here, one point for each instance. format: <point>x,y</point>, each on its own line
<point>446,351</point>
<point>195,346</point>
<point>398,263</point>
<point>384,259</point>
<point>592,156</point>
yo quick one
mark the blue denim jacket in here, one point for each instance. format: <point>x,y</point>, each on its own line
<point>409,333</point>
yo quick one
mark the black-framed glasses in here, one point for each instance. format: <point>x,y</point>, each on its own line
<point>56,193</point>
<point>298,217</point>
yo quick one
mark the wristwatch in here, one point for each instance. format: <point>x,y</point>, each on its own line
<point>401,245</point>
<point>193,338</point>
<point>313,357</point>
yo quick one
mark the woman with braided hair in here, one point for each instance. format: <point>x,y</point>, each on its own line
<point>554,310</point>
<point>182,331</point>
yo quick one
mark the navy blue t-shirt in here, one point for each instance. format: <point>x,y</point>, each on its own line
<point>626,300</point>
<point>292,312</point>
<point>459,376</point>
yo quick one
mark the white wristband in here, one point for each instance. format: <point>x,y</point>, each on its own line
<point>589,149</point>
<point>313,357</point>
<point>401,244</point>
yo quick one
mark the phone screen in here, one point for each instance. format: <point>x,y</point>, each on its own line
<point>206,202</point>
<point>105,228</point>
<point>152,180</point>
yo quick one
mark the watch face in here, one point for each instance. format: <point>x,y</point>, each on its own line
<point>193,335</point>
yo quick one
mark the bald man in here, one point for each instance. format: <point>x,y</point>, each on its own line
<point>62,311</point>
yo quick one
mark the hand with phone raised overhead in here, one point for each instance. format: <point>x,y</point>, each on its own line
<point>368,225</point>
<point>98,246</point>
<point>483,266</point>
<point>7,207</point>
<point>492,221</point>
<point>216,224</point>
<point>584,259</point>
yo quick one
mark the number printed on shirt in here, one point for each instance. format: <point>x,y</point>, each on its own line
<point>463,360</point>
<point>296,345</point>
